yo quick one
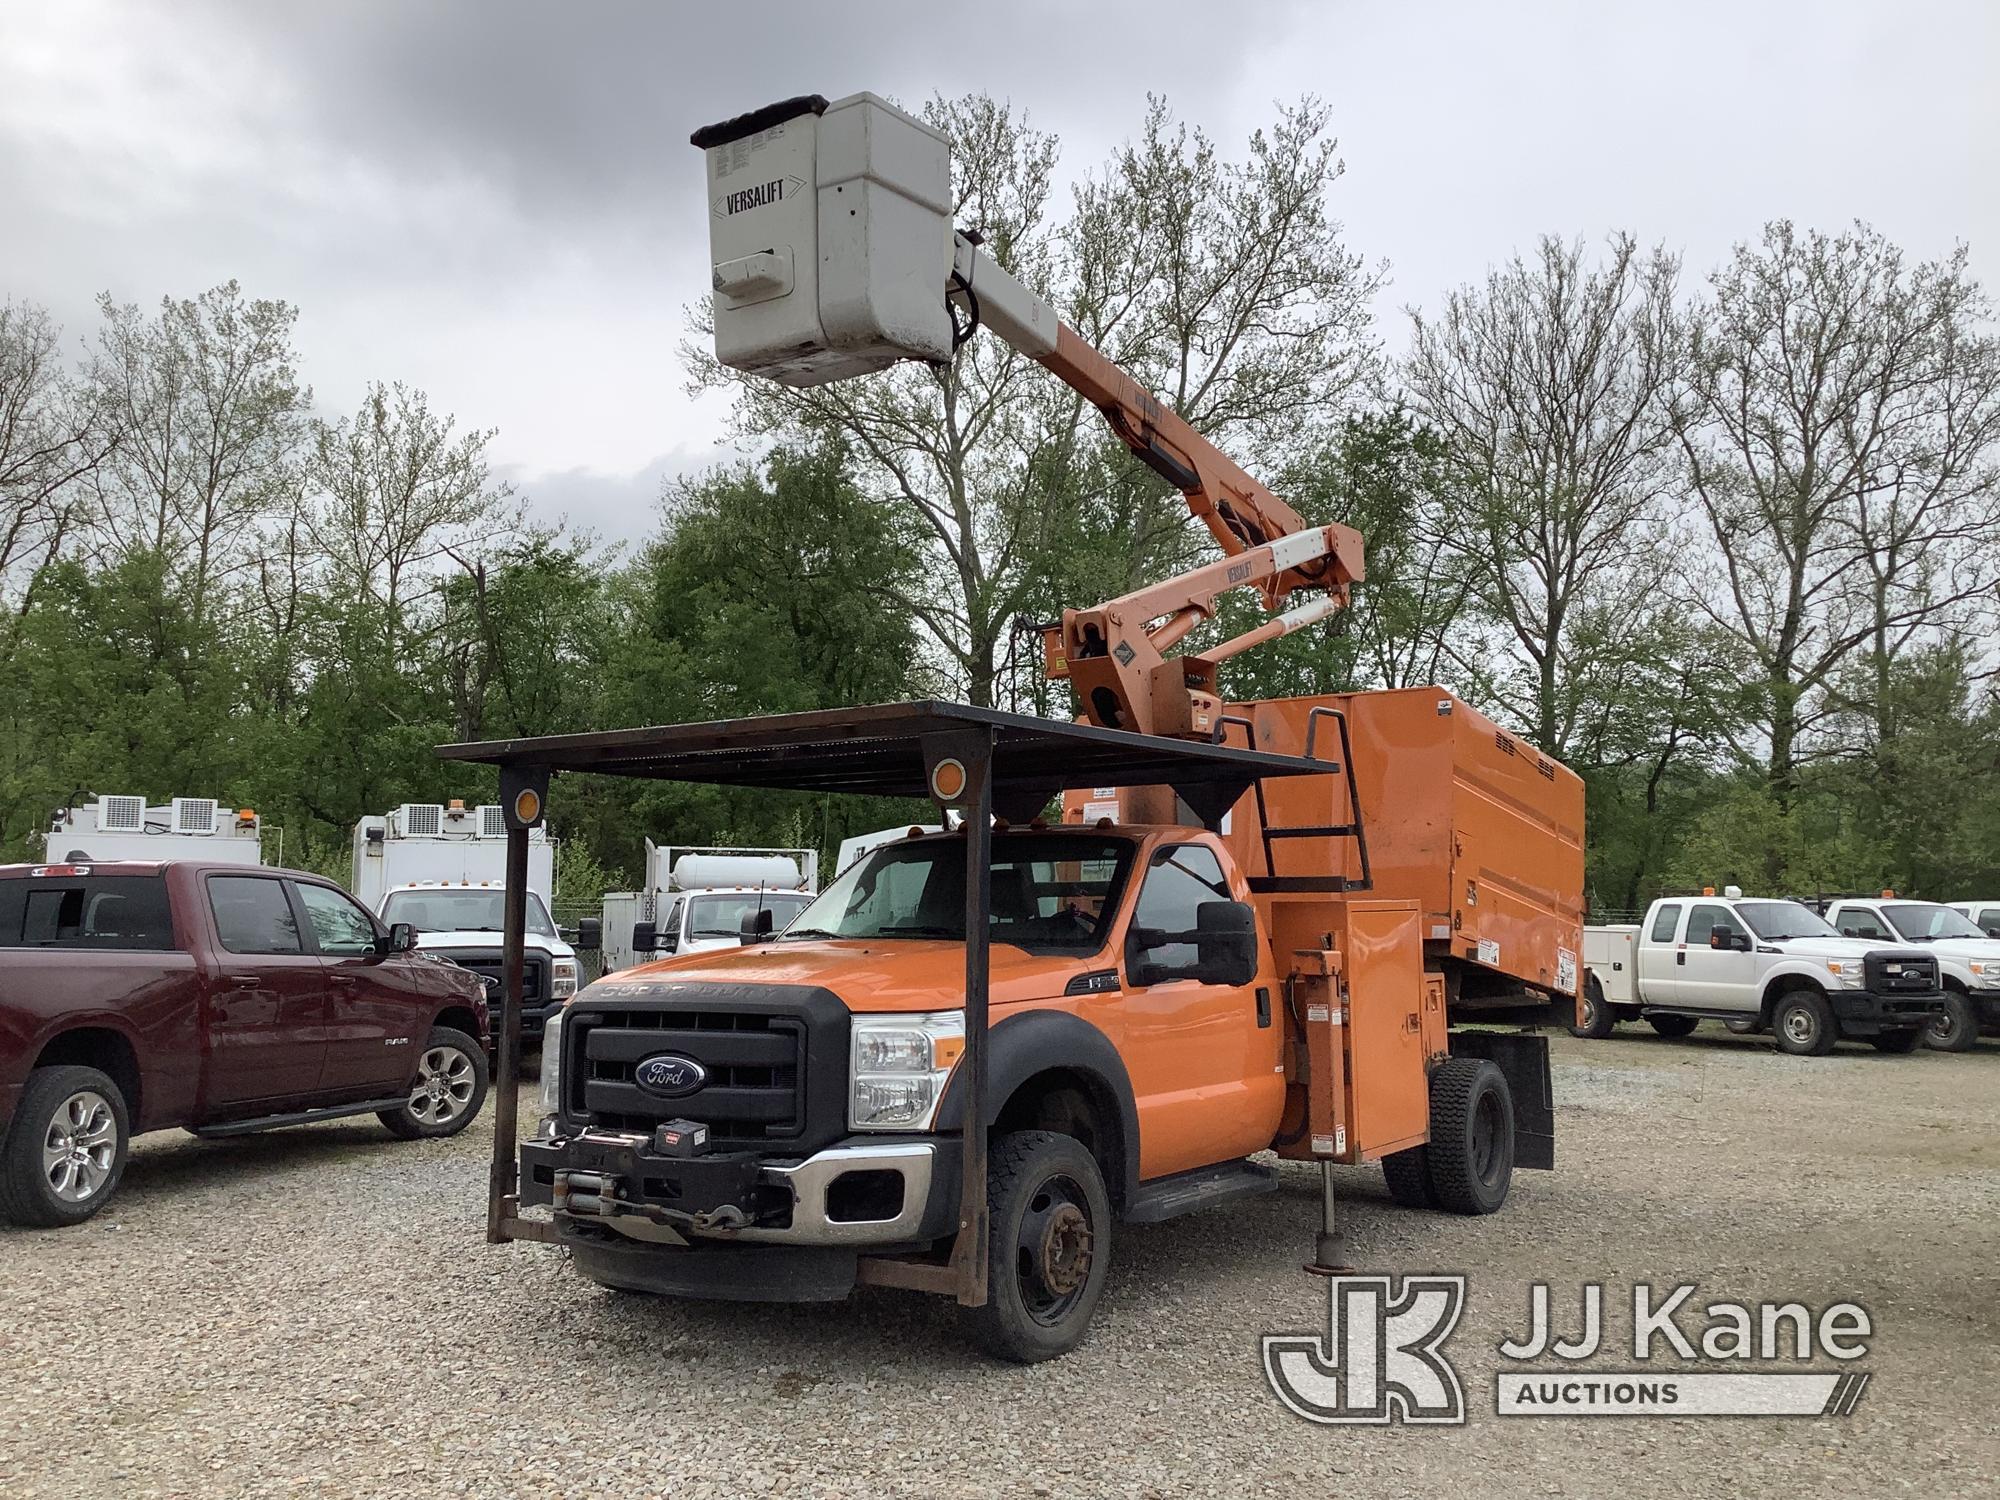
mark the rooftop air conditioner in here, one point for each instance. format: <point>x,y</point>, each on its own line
<point>121,814</point>
<point>194,815</point>
<point>418,820</point>
<point>492,821</point>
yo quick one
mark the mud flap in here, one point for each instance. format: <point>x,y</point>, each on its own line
<point>1523,1059</point>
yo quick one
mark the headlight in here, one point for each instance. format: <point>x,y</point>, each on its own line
<point>1983,969</point>
<point>899,1065</point>
<point>549,1093</point>
<point>562,979</point>
<point>1845,968</point>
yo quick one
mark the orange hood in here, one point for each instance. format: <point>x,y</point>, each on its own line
<point>876,975</point>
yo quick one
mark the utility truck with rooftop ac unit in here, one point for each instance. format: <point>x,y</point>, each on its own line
<point>442,868</point>
<point>699,898</point>
<point>123,827</point>
<point>1158,941</point>
<point>1756,965</point>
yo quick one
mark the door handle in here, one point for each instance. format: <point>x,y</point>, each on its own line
<point>342,979</point>
<point>245,981</point>
<point>1681,958</point>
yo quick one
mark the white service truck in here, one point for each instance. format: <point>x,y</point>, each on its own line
<point>442,867</point>
<point>1758,965</point>
<point>696,899</point>
<point>1968,959</point>
<point>131,828</point>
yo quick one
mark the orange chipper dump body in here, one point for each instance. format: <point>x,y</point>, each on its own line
<point>1467,906</point>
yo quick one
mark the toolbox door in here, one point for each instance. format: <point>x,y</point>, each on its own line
<point>1387,1082</point>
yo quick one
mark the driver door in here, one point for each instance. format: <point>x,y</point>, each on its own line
<point>378,1011</point>
<point>1718,979</point>
<point>1203,1071</point>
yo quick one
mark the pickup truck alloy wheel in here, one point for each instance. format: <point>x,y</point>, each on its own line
<point>1048,1244</point>
<point>447,1090</point>
<point>66,1149</point>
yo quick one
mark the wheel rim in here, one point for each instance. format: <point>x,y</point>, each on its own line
<point>1941,1026</point>
<point>1054,1249</point>
<point>1800,1026</point>
<point>1487,1126</point>
<point>80,1147</point>
<point>443,1088</point>
<point>1589,1011</point>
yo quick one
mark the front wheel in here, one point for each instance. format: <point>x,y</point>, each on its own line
<point>1804,1025</point>
<point>1594,1019</point>
<point>447,1091</point>
<point>1048,1246</point>
<point>1955,1028</point>
<point>66,1148</point>
<point>1471,1150</point>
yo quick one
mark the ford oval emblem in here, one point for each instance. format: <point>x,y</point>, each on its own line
<point>670,1075</point>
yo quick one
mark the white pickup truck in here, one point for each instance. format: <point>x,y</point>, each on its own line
<point>1757,965</point>
<point>1968,959</point>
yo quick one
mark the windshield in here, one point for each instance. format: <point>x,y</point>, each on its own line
<point>1775,920</point>
<point>1052,892</point>
<point>722,916</point>
<point>479,909</point>
<point>1922,921</point>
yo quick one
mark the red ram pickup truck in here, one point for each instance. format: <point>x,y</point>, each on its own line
<point>224,999</point>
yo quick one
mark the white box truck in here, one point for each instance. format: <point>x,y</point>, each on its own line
<point>695,899</point>
<point>442,867</point>
<point>131,828</point>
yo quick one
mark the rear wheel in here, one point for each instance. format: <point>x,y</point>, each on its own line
<point>1048,1245</point>
<point>449,1086</point>
<point>1896,1041</point>
<point>1471,1150</point>
<point>1955,1028</point>
<point>1594,1019</point>
<point>66,1148</point>
<point>1803,1023</point>
<point>1672,1025</point>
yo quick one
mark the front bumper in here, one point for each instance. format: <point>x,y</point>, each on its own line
<point>1870,1012</point>
<point>861,1192</point>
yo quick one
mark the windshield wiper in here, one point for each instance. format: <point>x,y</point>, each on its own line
<point>920,930</point>
<point>802,932</point>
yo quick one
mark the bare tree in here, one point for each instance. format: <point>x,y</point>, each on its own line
<point>51,437</point>
<point>1838,427</point>
<point>1546,386</point>
<point>392,491</point>
<point>1221,284</point>
<point>209,409</point>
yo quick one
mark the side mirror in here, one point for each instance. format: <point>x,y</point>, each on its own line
<point>590,934</point>
<point>645,937</point>
<point>757,925</point>
<point>402,937</point>
<point>1721,937</point>
<point>1225,939</point>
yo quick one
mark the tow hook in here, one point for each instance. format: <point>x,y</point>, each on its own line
<point>728,1216</point>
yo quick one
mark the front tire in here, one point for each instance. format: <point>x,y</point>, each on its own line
<point>1048,1246</point>
<point>1803,1023</point>
<point>1955,1028</point>
<point>1672,1026</point>
<point>1594,1019</point>
<point>1471,1150</point>
<point>66,1148</point>
<point>445,1095</point>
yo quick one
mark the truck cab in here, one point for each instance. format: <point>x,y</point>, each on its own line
<point>1968,959</point>
<point>1758,965</point>
<point>461,921</point>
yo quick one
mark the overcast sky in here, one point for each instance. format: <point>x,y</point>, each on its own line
<point>497,201</point>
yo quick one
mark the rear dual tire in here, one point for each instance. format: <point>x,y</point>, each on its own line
<point>1468,1164</point>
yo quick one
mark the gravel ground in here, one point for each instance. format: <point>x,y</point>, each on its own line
<point>315,1313</point>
